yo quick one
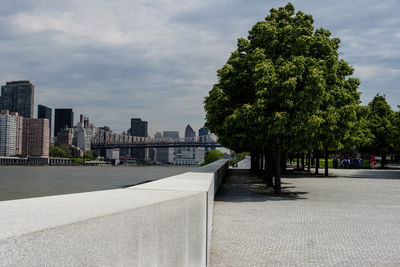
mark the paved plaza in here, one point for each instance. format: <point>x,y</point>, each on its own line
<point>349,219</point>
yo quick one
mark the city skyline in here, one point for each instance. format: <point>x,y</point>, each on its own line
<point>114,61</point>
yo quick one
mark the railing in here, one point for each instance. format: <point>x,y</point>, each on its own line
<point>162,223</point>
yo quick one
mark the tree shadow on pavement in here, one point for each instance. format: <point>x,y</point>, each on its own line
<point>241,186</point>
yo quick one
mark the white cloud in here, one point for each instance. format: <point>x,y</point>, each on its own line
<point>370,72</point>
<point>158,59</point>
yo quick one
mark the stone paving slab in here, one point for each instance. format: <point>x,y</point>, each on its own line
<point>335,221</point>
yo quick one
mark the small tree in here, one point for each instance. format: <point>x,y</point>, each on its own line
<point>88,154</point>
<point>381,123</point>
<point>60,151</point>
<point>211,156</point>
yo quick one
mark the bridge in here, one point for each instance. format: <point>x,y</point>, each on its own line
<point>108,140</point>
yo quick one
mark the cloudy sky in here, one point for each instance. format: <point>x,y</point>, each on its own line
<point>117,59</point>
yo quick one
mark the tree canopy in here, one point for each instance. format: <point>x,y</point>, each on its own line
<point>284,87</point>
<point>382,127</point>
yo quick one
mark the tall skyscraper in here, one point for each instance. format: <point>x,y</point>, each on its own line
<point>18,96</point>
<point>63,117</point>
<point>35,141</point>
<point>203,131</point>
<point>139,128</point>
<point>189,132</point>
<point>45,113</point>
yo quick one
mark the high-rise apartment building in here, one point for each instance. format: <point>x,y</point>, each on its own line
<point>18,96</point>
<point>64,137</point>
<point>139,128</point>
<point>45,113</point>
<point>35,141</point>
<point>63,118</point>
<point>10,133</point>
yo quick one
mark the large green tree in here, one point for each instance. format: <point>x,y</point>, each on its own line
<point>280,89</point>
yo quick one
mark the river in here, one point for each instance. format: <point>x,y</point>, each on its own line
<point>25,182</point>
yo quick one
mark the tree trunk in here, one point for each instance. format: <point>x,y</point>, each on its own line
<point>278,169</point>
<point>309,161</point>
<point>316,162</point>
<point>256,163</point>
<point>326,160</point>
<point>302,161</point>
<point>283,162</point>
<point>253,161</point>
<point>298,162</point>
<point>269,168</point>
<point>261,161</point>
<point>383,159</point>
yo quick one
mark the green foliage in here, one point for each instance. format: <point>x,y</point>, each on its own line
<point>60,151</point>
<point>211,156</point>
<point>286,85</point>
<point>78,160</point>
<point>382,126</point>
<point>366,164</point>
<point>238,157</point>
<point>89,155</point>
<point>396,131</point>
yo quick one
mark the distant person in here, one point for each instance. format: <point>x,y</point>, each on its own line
<point>335,162</point>
<point>373,161</point>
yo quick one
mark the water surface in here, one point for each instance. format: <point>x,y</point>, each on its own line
<point>25,181</point>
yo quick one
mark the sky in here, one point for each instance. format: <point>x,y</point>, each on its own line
<point>157,60</point>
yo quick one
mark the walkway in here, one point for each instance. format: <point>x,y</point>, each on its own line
<point>343,220</point>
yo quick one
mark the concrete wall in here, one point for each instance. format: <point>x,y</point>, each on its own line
<point>163,223</point>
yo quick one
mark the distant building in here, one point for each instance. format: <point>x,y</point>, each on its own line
<point>10,133</point>
<point>152,154</point>
<point>171,134</point>
<point>189,132</point>
<point>45,113</point>
<point>113,155</point>
<point>18,96</point>
<point>203,132</point>
<point>165,155</point>
<point>190,156</point>
<point>84,132</point>
<point>35,137</point>
<point>158,135</point>
<point>63,117</point>
<point>139,128</point>
<point>64,137</point>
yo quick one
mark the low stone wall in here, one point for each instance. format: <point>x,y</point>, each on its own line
<point>162,223</point>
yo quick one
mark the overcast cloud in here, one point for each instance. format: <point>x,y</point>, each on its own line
<point>156,60</point>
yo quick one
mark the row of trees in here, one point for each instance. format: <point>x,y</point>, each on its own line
<point>285,90</point>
